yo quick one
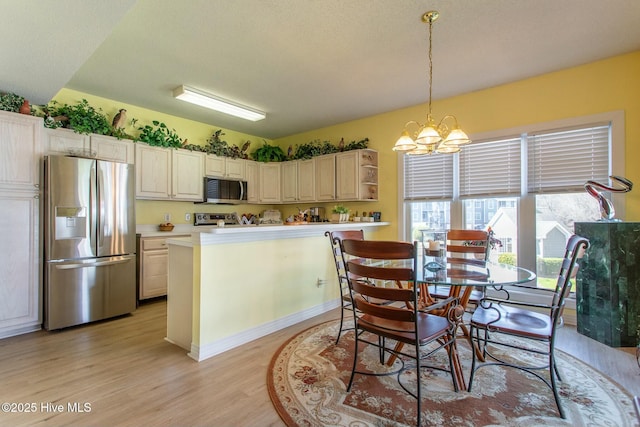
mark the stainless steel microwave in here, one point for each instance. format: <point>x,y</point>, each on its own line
<point>224,191</point>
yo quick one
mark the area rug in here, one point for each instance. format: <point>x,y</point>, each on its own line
<point>308,376</point>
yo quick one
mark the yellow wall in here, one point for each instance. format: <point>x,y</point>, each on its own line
<point>602,86</point>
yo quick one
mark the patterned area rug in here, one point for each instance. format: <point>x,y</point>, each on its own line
<point>308,376</point>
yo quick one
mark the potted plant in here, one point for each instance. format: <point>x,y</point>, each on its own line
<point>159,135</point>
<point>340,213</point>
<point>82,117</point>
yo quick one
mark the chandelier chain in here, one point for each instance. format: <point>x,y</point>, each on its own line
<point>430,65</point>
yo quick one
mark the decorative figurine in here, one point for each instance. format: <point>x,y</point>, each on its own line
<point>120,119</point>
<point>607,210</point>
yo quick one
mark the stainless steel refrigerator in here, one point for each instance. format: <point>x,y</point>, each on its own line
<point>89,240</point>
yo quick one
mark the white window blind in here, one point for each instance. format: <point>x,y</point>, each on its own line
<point>428,177</point>
<point>491,168</point>
<point>562,161</point>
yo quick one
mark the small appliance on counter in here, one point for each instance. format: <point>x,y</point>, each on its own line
<point>272,217</point>
<point>316,214</point>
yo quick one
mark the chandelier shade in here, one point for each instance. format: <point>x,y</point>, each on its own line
<point>430,137</point>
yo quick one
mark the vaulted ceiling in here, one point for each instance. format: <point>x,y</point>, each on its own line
<point>307,63</point>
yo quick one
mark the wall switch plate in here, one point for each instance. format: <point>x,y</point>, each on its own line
<point>167,217</point>
<point>187,217</point>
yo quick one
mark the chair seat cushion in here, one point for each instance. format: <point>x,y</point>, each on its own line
<point>513,320</point>
<point>429,327</point>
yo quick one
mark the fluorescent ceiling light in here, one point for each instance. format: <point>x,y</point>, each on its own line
<point>204,99</point>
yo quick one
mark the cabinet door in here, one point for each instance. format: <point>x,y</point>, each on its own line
<point>235,169</point>
<point>252,176</point>
<point>325,177</point>
<point>270,183</point>
<point>154,271</point>
<point>188,175</point>
<point>66,141</point>
<point>20,267</point>
<point>153,172</point>
<point>215,166</point>
<point>289,181</point>
<point>347,176</point>
<point>306,181</point>
<point>112,149</point>
<point>21,142</point>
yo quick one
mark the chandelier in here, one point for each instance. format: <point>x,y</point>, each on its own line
<point>431,137</point>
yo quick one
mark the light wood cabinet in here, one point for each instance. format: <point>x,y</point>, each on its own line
<point>20,249</point>
<point>289,181</point>
<point>169,174</point>
<point>306,180</point>
<point>113,149</point>
<point>224,167</point>
<point>21,142</point>
<point>187,175</point>
<point>357,175</point>
<point>252,176</point>
<point>153,172</point>
<point>270,183</point>
<point>153,263</point>
<point>20,287</point>
<point>325,175</point>
<point>66,141</point>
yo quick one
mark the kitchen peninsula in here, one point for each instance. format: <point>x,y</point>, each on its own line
<point>228,286</point>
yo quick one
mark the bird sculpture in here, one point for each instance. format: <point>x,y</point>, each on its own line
<point>120,119</point>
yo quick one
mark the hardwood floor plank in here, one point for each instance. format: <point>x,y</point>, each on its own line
<point>131,376</point>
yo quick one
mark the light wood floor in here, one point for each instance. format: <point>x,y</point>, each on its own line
<point>130,376</point>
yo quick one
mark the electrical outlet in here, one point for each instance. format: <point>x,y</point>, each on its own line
<point>187,217</point>
<point>320,282</point>
<point>167,217</point>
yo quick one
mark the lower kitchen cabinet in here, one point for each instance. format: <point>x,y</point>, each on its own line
<point>153,262</point>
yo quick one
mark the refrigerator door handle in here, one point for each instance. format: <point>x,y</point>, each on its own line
<point>92,210</point>
<point>92,264</point>
<point>101,206</point>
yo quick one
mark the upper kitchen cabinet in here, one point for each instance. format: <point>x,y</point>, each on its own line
<point>224,167</point>
<point>325,177</point>
<point>252,176</point>
<point>270,182</point>
<point>306,180</point>
<point>21,142</point>
<point>187,175</point>
<point>113,149</point>
<point>169,174</point>
<point>289,181</point>
<point>66,141</point>
<point>357,175</point>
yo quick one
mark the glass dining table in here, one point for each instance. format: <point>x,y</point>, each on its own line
<point>462,277</point>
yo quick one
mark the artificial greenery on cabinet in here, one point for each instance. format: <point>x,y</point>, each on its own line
<point>11,102</point>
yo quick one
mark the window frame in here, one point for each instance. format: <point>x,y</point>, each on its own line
<point>526,249</point>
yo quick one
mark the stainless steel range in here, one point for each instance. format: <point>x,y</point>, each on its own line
<point>213,218</point>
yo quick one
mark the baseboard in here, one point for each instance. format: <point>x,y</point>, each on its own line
<point>13,331</point>
<point>200,353</point>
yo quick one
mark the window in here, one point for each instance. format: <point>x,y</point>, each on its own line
<point>527,184</point>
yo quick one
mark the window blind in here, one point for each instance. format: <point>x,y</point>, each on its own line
<point>562,161</point>
<point>491,168</point>
<point>428,177</point>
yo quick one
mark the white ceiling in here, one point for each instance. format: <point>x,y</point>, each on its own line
<point>307,63</point>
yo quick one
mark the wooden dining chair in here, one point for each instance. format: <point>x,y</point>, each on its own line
<point>464,247</point>
<point>496,320</point>
<point>402,321</point>
<point>335,237</point>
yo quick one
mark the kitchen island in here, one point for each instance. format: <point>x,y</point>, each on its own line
<point>228,286</point>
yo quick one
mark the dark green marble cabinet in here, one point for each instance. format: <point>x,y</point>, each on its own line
<point>608,295</point>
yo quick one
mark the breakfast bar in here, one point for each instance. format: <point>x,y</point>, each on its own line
<point>231,285</point>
